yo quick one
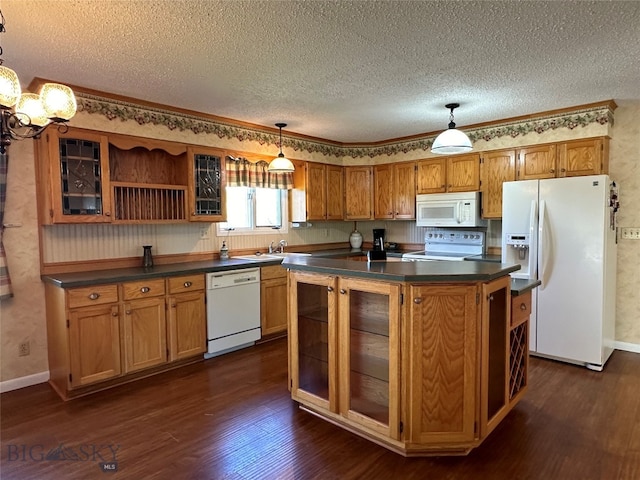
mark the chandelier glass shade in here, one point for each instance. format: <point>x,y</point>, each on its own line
<point>452,140</point>
<point>281,164</point>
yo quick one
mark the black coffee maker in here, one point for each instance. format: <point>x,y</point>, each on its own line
<point>378,238</point>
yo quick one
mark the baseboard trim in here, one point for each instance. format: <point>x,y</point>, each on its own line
<point>627,347</point>
<point>21,382</point>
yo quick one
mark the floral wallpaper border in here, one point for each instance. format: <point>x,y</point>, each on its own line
<point>115,109</point>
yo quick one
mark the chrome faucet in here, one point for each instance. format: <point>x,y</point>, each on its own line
<point>281,245</point>
<point>271,247</point>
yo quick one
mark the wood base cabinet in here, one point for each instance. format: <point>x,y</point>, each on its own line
<point>419,368</point>
<point>273,300</point>
<point>104,335</point>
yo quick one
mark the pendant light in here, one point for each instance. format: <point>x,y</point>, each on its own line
<point>281,164</point>
<point>451,140</point>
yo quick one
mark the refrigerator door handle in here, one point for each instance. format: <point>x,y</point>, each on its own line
<point>533,244</point>
<point>545,251</point>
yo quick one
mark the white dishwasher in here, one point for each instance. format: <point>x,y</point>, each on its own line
<point>233,310</point>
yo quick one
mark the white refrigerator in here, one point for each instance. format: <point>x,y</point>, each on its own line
<point>562,231</point>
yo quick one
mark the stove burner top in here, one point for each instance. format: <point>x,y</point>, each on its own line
<point>452,245</point>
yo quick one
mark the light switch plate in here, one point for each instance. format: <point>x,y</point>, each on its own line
<point>630,233</point>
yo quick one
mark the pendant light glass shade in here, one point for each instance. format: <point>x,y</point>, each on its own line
<point>281,164</point>
<point>9,87</point>
<point>451,140</point>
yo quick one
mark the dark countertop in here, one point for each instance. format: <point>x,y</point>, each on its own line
<point>403,271</point>
<point>523,285</point>
<point>97,277</point>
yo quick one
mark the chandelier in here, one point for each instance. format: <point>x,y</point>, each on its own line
<point>26,115</point>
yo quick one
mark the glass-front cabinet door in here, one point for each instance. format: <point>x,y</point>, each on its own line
<point>207,184</point>
<point>79,169</point>
<point>312,339</point>
<point>369,366</point>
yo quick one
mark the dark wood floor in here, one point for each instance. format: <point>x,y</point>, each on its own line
<point>231,418</point>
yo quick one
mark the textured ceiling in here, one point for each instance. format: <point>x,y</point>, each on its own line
<point>349,71</point>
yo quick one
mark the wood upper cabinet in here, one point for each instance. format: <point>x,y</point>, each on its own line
<point>335,192</point>
<point>441,407</point>
<point>358,185</point>
<point>145,327</point>
<point>317,193</point>
<point>273,300</point>
<point>395,191</point>
<point>206,184</point>
<point>186,323</point>
<point>459,173</point>
<point>73,177</point>
<point>432,175</point>
<point>583,157</point>
<point>383,191</point>
<point>496,167</point>
<point>537,162</point>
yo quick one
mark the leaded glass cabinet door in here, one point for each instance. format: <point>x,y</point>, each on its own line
<point>369,359</point>
<point>312,339</point>
<point>206,185</point>
<point>80,186</point>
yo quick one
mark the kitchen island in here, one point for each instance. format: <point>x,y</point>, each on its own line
<point>423,358</point>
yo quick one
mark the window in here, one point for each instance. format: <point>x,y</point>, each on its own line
<point>254,210</point>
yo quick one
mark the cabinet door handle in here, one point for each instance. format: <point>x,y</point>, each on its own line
<point>490,298</point>
<point>114,313</point>
<point>94,296</point>
<point>107,214</point>
<point>343,291</point>
<point>145,290</point>
<point>187,284</point>
<point>523,306</point>
<point>128,312</point>
<point>552,171</point>
<point>563,170</point>
<point>417,300</point>
<point>330,289</point>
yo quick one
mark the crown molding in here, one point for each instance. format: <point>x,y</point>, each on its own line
<point>126,110</point>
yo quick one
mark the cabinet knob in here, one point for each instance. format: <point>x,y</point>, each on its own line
<point>490,298</point>
<point>94,296</point>
<point>128,312</point>
<point>417,300</point>
<point>145,290</point>
<point>330,289</point>
<point>343,291</point>
<point>523,306</point>
<point>114,314</point>
<point>187,284</point>
<point>563,170</point>
<point>552,171</point>
<point>107,214</point>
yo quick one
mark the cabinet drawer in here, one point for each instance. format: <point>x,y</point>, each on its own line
<point>185,283</point>
<point>143,289</point>
<point>272,271</point>
<point>96,295</point>
<point>520,308</point>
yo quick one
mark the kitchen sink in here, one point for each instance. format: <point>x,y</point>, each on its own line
<point>266,257</point>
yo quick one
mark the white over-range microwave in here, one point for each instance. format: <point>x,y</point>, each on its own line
<point>449,210</point>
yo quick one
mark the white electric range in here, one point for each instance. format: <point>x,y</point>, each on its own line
<point>452,244</point>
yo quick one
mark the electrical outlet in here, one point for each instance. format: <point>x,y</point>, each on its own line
<point>204,233</point>
<point>630,233</point>
<point>24,349</point>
